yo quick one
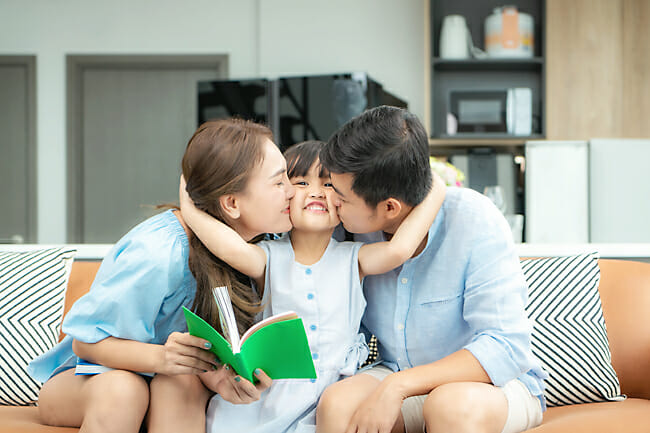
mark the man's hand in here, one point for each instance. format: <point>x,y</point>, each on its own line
<point>379,412</point>
<point>233,388</point>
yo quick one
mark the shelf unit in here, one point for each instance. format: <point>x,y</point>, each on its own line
<point>485,73</point>
<point>487,158</point>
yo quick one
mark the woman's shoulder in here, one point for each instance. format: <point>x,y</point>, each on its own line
<point>158,238</point>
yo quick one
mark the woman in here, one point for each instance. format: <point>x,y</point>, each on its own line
<point>131,320</point>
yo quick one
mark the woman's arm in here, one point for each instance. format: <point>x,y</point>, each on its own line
<point>381,257</point>
<point>221,240</point>
<point>181,354</point>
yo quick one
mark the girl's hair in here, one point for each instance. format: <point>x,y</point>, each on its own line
<point>300,157</point>
<point>218,160</point>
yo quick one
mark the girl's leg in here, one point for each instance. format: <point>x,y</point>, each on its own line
<point>340,401</point>
<point>178,404</point>
<point>115,401</point>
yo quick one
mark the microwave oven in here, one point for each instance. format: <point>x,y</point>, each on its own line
<point>504,111</point>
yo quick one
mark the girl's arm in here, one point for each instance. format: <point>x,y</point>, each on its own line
<point>222,240</point>
<point>181,354</point>
<point>381,257</point>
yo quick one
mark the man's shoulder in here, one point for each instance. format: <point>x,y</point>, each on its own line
<point>466,206</point>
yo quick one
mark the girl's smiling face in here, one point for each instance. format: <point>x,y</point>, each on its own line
<point>312,208</point>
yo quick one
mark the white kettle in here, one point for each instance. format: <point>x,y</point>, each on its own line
<point>454,38</point>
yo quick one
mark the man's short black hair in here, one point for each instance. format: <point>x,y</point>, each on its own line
<point>386,150</point>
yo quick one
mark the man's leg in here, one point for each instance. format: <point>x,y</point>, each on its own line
<point>465,407</point>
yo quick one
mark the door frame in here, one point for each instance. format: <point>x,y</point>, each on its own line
<point>76,66</point>
<point>31,172</point>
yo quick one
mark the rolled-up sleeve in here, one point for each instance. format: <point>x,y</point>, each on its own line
<point>495,298</point>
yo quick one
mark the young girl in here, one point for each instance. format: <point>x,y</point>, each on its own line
<point>131,320</point>
<point>308,272</point>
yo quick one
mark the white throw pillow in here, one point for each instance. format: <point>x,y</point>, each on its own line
<point>32,298</point>
<point>569,335</point>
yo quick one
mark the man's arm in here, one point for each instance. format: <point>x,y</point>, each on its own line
<point>381,257</point>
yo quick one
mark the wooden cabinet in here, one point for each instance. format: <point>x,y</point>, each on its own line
<point>598,69</point>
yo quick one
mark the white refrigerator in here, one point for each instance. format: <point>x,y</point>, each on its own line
<point>588,191</point>
<point>619,190</point>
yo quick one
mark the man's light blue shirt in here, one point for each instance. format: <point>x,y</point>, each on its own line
<point>465,290</point>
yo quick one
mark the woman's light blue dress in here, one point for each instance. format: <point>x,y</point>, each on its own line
<point>137,294</point>
<point>328,297</point>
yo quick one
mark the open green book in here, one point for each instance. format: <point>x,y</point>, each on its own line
<point>277,345</point>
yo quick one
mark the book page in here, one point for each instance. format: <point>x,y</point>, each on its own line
<point>261,324</point>
<point>227,317</point>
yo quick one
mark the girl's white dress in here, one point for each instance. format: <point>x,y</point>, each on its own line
<point>328,297</point>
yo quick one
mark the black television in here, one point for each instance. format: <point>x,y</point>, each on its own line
<point>295,108</point>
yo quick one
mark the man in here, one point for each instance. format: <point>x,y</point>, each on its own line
<point>454,339</point>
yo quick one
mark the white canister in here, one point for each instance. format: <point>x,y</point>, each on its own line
<point>454,43</point>
<point>509,33</point>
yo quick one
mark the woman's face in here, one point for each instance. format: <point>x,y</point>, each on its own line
<point>264,204</point>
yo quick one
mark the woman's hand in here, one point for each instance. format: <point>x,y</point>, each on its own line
<point>185,354</point>
<point>234,388</point>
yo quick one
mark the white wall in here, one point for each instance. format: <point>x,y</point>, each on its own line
<point>261,37</point>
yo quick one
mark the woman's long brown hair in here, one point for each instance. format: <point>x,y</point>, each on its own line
<point>218,160</point>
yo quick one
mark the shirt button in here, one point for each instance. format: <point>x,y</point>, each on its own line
<point>310,296</point>
<point>400,326</point>
<point>308,271</point>
<point>312,327</point>
<point>405,280</point>
<point>314,356</point>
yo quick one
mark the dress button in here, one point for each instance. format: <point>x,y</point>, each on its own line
<point>314,356</point>
<point>308,271</point>
<point>310,296</point>
<point>405,280</point>
<point>312,327</point>
<point>312,380</point>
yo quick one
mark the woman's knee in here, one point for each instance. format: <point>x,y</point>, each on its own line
<point>60,401</point>
<point>186,388</point>
<point>118,390</point>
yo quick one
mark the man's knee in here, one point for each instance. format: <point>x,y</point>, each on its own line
<point>453,406</point>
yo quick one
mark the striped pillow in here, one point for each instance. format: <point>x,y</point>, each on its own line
<point>32,295</point>
<point>569,336</point>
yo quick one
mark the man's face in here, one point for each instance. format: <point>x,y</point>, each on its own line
<point>354,212</point>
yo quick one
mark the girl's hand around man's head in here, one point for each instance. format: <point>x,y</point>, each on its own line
<point>234,388</point>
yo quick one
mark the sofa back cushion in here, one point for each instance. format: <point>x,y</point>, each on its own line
<point>82,276</point>
<point>625,296</point>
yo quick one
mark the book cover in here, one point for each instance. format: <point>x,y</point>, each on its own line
<point>277,345</point>
<point>85,368</point>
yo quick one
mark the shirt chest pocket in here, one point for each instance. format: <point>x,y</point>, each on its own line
<point>438,320</point>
